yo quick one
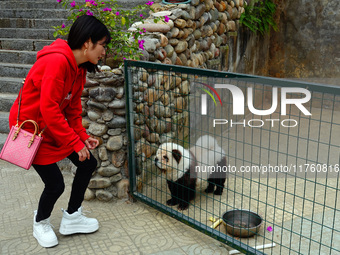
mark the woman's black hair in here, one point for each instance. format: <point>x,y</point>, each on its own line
<point>87,27</point>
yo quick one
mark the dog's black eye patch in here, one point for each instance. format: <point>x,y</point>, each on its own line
<point>166,158</point>
<point>177,155</point>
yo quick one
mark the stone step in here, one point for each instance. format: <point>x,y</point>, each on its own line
<point>48,1</point>
<point>6,101</point>
<point>3,138</point>
<point>10,85</point>
<point>14,70</point>
<point>4,124</point>
<point>31,23</point>
<point>34,13</point>
<point>30,5</point>
<point>23,44</point>
<point>21,57</point>
<point>25,33</point>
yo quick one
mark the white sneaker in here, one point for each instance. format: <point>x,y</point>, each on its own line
<point>77,223</point>
<point>43,232</point>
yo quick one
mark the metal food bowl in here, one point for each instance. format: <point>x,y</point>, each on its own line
<point>242,223</point>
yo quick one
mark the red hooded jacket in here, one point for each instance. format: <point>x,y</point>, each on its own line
<point>51,97</point>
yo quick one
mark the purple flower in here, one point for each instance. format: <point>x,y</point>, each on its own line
<point>149,3</point>
<point>144,30</point>
<point>63,26</point>
<point>103,2</point>
<point>124,58</point>
<point>89,2</point>
<point>73,4</point>
<point>166,18</point>
<point>141,15</point>
<point>117,13</point>
<point>89,13</point>
<point>59,1</point>
<point>270,229</point>
<point>80,10</point>
<point>141,44</point>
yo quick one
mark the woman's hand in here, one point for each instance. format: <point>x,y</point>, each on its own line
<point>91,143</point>
<point>84,154</point>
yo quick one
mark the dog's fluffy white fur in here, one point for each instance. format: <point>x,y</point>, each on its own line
<point>206,151</point>
<point>188,170</point>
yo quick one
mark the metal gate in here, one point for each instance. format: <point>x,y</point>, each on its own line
<point>282,152</point>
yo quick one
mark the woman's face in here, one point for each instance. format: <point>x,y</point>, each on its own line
<point>96,51</point>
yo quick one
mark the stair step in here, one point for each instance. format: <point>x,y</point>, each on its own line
<point>23,44</point>
<point>31,23</point>
<point>10,85</point>
<point>4,123</point>
<point>6,101</point>
<point>9,1</point>
<point>3,138</point>
<point>14,70</point>
<point>30,5</point>
<point>21,57</point>
<point>25,33</point>
<point>34,13</point>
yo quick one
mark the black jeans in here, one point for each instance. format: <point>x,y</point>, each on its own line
<point>54,185</point>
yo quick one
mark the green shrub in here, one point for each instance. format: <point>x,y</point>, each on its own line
<point>124,43</point>
<point>259,16</point>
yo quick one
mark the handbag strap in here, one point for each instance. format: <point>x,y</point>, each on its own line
<point>19,104</point>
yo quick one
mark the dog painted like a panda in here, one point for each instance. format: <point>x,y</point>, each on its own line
<point>187,170</point>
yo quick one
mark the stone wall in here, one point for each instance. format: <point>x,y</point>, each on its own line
<point>197,35</point>
<point>104,118</point>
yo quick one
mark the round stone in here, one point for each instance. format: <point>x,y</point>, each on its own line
<point>117,122</point>
<point>108,171</point>
<point>97,129</point>
<point>104,195</point>
<point>89,194</point>
<point>93,115</point>
<point>115,143</point>
<point>99,183</point>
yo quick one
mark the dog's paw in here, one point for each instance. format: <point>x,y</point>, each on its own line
<point>183,207</point>
<point>172,202</point>
<point>218,192</point>
<point>209,190</point>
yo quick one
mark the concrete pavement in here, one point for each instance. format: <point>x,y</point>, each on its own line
<point>125,227</point>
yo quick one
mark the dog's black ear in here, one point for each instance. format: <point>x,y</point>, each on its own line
<point>177,155</point>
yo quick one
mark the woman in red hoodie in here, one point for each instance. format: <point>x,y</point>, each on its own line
<point>51,96</point>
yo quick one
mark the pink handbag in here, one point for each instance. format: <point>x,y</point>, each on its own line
<point>21,146</point>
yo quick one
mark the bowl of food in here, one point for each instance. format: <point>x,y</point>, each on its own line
<point>242,222</point>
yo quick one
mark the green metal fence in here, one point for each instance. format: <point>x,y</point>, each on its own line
<point>283,166</point>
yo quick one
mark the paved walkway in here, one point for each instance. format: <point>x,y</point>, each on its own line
<point>125,228</point>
